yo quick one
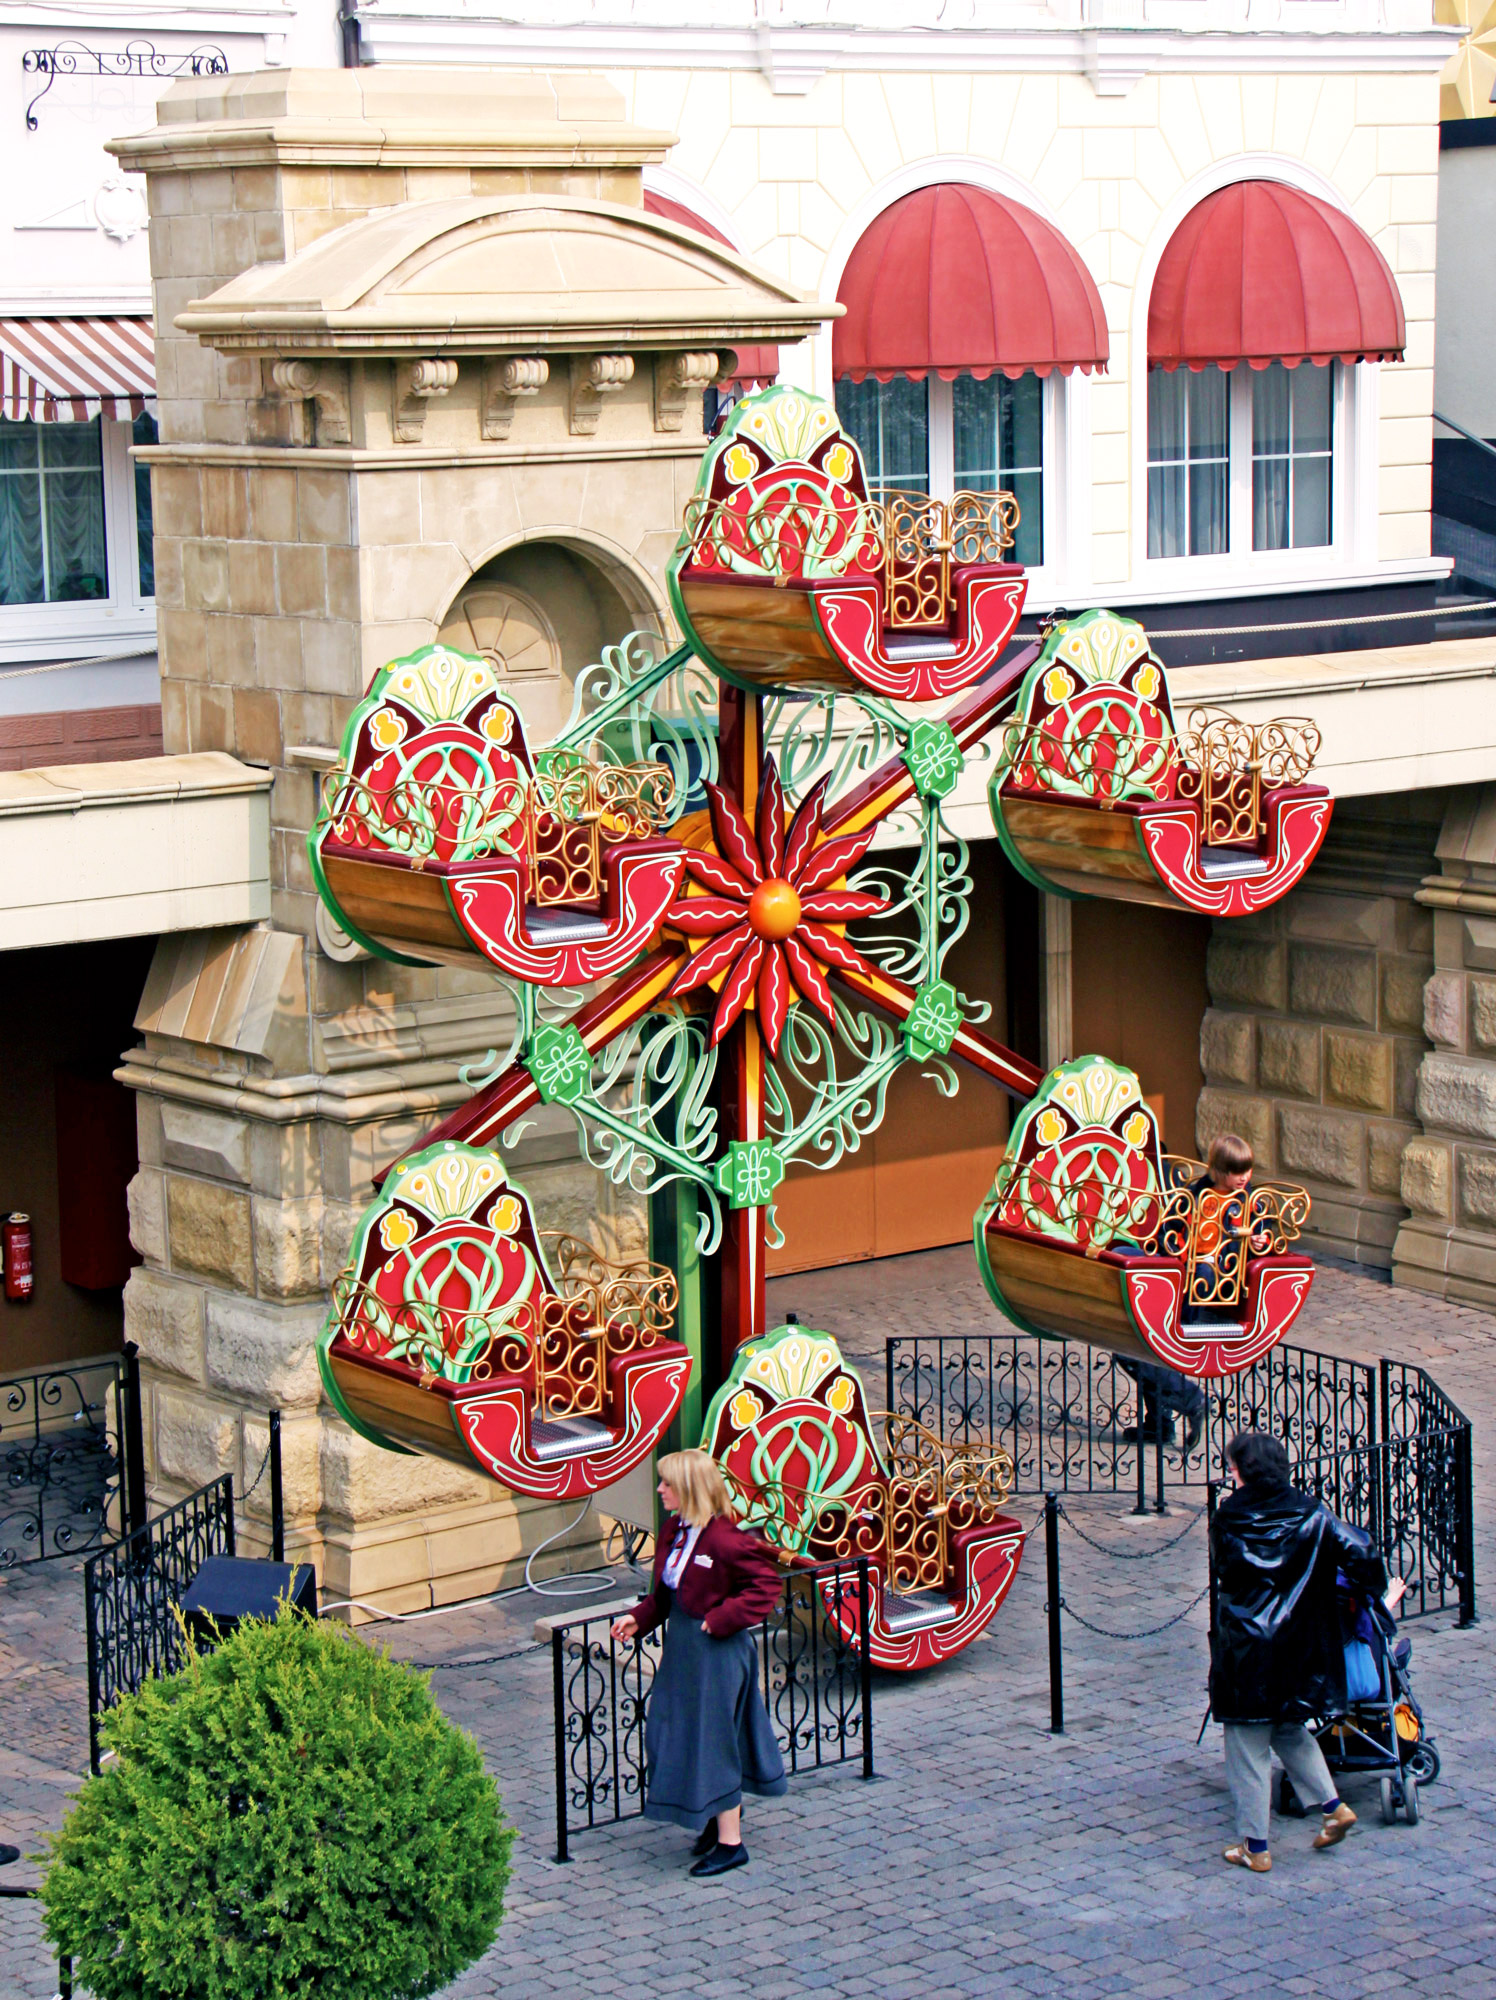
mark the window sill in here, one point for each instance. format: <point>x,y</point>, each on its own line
<point>1199,579</point>
<point>42,632</point>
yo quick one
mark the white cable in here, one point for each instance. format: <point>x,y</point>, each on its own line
<point>65,666</point>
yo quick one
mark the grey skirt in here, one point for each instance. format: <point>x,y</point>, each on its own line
<point>707,1738</point>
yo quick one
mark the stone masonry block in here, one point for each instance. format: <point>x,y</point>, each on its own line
<point>1444,1009</point>
<point>1247,970</point>
<point>1403,980</point>
<point>1358,1071</point>
<point>205,1142</point>
<point>1322,1145</point>
<point>1406,1060</point>
<point>1384,1150</point>
<point>1219,1111</point>
<point>1458,1094</point>
<point>1481,1001</point>
<point>288,1247</point>
<point>267,1353</point>
<point>164,1317</point>
<point>362,1483</point>
<point>1288,1058</point>
<point>1226,1053</point>
<point>146,1196</point>
<point>208,1230</point>
<point>1341,919</point>
<point>1330,984</point>
<point>1427,1176</point>
<point>301,1467</point>
<point>1477,1181</point>
<point>195,1440</point>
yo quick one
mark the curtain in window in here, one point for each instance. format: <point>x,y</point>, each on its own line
<point>145,432</point>
<point>999,440</point>
<point>1292,412</point>
<point>1189,453</point>
<point>51,513</point>
<point>891,424</point>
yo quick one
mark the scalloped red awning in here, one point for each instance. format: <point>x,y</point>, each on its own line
<point>1261,272</point>
<point>964,282</point>
<point>756,365</point>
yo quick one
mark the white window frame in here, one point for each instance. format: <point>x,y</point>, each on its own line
<point>52,631</point>
<point>1242,564</point>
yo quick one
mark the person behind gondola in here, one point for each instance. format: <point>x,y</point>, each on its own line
<point>707,1738</point>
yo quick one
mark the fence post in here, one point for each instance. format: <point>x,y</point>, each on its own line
<point>132,1442</point>
<point>1382,1461</point>
<point>1211,1493</point>
<point>558,1698</point>
<point>1158,1458</point>
<point>91,1633</point>
<point>1141,1506</point>
<point>277,1493</point>
<point>1465,1538</point>
<point>1052,1607</point>
<point>864,1613</point>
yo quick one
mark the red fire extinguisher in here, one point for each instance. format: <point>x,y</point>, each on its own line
<point>17,1233</point>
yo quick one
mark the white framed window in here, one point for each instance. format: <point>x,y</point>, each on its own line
<point>1249,464</point>
<point>75,533</point>
<point>966,435</point>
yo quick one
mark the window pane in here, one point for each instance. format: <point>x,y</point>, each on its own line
<point>1311,407</point>
<point>22,576</point>
<point>1270,503</point>
<point>1189,448</point>
<point>1207,413</point>
<point>145,560</point>
<point>71,444</point>
<point>1166,510</point>
<point>890,421</point>
<point>1208,508</point>
<point>1165,415</point>
<point>1292,415</point>
<point>18,447</point>
<point>999,446</point>
<point>1270,405</point>
<point>1311,501</point>
<point>74,507</point>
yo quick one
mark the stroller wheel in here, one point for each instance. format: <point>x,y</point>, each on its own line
<point>1410,1798</point>
<point>1424,1763</point>
<point>1389,1803</point>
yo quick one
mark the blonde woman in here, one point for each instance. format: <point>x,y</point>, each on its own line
<point>707,1738</point>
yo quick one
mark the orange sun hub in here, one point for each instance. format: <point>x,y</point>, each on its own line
<point>774,910</point>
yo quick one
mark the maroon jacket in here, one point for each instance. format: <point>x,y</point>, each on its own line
<point>731,1582</point>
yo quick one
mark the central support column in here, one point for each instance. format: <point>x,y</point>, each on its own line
<point>740,722</point>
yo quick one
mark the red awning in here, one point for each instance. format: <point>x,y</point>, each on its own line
<point>1260,272</point>
<point>69,370</point>
<point>965,282</point>
<point>756,365</point>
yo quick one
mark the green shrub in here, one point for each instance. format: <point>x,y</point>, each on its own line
<point>290,1814</point>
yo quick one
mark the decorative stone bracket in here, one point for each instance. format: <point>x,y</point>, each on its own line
<point>594,376</point>
<point>416,383</point>
<point>322,385</point>
<point>504,381</point>
<point>677,377</point>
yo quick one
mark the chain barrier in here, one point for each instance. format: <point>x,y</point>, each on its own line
<point>1150,1632</point>
<point>243,1498</point>
<point>1128,1555</point>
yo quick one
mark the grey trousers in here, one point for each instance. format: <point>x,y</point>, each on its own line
<point>1249,1770</point>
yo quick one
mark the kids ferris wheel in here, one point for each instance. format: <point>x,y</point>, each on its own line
<point>717,975</point>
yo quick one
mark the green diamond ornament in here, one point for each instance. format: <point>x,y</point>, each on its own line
<point>933,1021</point>
<point>934,759</point>
<point>560,1064</point>
<point>748,1173</point>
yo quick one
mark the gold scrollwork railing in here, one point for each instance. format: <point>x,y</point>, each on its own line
<point>578,809</point>
<point>1211,1230</point>
<point>924,538</point>
<point>1228,764</point>
<point>903,1522</point>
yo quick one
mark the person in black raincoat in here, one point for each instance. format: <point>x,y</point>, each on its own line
<point>1277,1658</point>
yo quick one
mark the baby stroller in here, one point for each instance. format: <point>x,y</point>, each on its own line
<point>1381,1729</point>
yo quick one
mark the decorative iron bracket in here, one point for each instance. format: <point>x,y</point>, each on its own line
<point>137,58</point>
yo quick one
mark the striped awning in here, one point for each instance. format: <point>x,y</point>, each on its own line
<point>67,371</point>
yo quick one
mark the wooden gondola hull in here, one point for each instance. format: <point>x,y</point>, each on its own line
<point>1152,853</point>
<point>1132,1305</point>
<point>485,1426</point>
<point>985,1562</point>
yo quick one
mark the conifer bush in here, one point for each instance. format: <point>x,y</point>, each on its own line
<point>289,1815</point>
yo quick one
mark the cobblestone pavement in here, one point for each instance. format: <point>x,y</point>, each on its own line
<point>988,1857</point>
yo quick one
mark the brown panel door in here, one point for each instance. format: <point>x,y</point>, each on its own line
<point>1138,996</point>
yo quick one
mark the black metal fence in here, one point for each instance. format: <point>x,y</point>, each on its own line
<point>70,1458</point>
<point>817,1687</point>
<point>131,1592</point>
<point>1381,1442</point>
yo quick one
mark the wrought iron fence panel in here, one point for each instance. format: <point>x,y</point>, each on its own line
<point>131,1593</point>
<point>816,1685</point>
<point>1382,1445</point>
<point>63,1447</point>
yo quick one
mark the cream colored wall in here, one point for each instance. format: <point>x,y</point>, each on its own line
<point>795,174</point>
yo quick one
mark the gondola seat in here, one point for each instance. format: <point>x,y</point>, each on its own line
<point>1092,1232</point>
<point>449,1334</point>
<point>791,1431</point>
<point>787,575</point>
<point>442,838</point>
<point>1096,793</point>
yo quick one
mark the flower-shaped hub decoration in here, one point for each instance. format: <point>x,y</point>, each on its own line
<point>765,905</point>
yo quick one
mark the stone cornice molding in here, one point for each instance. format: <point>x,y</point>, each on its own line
<point>330,142</point>
<point>792,58</point>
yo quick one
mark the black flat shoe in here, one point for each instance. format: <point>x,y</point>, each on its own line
<point>721,1860</point>
<point>8,1854</point>
<point>706,1840</point>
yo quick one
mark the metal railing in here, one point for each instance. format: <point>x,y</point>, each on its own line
<point>816,1683</point>
<point>70,1457</point>
<point>131,1593</point>
<point>1380,1442</point>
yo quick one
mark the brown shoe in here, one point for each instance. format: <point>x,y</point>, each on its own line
<point>1241,1856</point>
<point>1337,1825</point>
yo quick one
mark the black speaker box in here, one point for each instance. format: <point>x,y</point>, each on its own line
<point>228,1588</point>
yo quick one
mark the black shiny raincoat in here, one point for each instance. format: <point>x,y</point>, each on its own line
<point>1278,1654</point>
